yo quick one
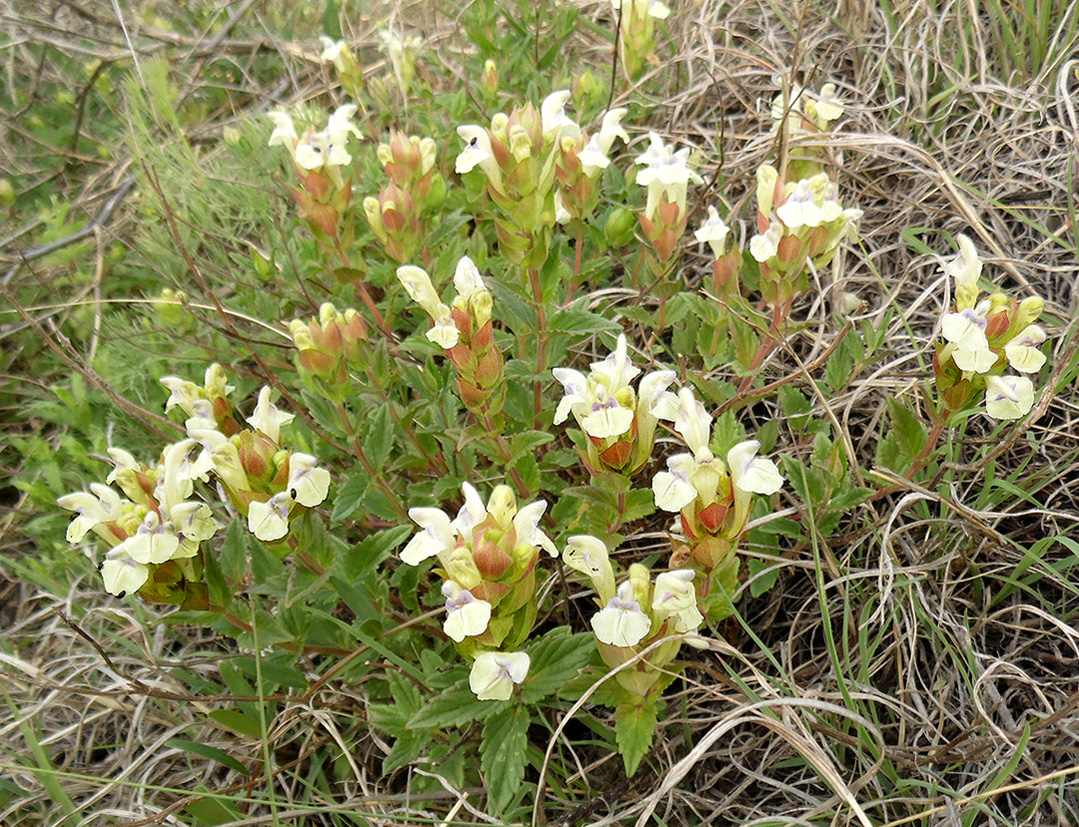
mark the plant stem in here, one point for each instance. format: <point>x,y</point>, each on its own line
<point>771,341</point>
<point>358,452</point>
<point>541,343</point>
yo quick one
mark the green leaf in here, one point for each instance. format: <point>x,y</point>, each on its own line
<point>557,658</point>
<point>528,467</point>
<point>726,433</point>
<point>503,753</point>
<point>763,583</point>
<point>529,441</point>
<point>580,321</point>
<point>453,707</point>
<point>635,725</point>
<point>349,496</point>
<point>639,503</point>
<point>795,406</point>
<point>378,440</point>
<point>232,557</point>
<point>209,812</point>
<point>807,482</point>
<point>840,367</point>
<point>205,751</point>
<point>238,722</point>
<point>907,427</point>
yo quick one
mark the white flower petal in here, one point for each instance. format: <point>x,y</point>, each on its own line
<point>1008,397</point>
<point>621,622</point>
<point>307,483</point>
<point>437,535</point>
<point>121,574</point>
<point>494,674</point>
<point>750,473</point>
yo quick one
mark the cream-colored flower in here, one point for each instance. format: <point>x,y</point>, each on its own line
<point>621,622</point>
<point>1008,397</point>
<point>714,231</point>
<point>494,674</point>
<point>465,615</point>
<point>121,574</point>
<point>1022,351</point>
<point>966,332</point>
<point>103,506</point>
<point>267,418</point>
<point>553,116</point>
<point>588,555</point>
<point>269,520</point>
<point>675,597</point>
<point>764,246</point>
<point>437,536</point>
<point>307,483</point>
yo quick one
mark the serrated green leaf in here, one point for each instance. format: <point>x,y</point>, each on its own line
<point>635,726</point>
<point>890,455</point>
<point>761,583</point>
<point>503,753</point>
<point>378,439</point>
<point>908,429</point>
<point>639,503</point>
<point>453,707</point>
<point>793,402</point>
<point>807,482</point>
<point>407,748</point>
<point>580,321</point>
<point>528,467</point>
<point>726,433</point>
<point>529,441</point>
<point>349,496</point>
<point>840,367</point>
<point>232,556</point>
<point>557,658</point>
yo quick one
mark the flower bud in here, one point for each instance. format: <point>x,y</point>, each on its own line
<point>489,79</point>
<point>619,229</point>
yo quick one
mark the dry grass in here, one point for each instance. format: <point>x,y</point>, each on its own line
<point>901,674</point>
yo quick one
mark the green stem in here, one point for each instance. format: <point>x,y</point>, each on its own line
<point>357,450</point>
<point>771,341</point>
<point>541,343</point>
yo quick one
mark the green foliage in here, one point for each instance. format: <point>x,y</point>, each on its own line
<point>331,601</point>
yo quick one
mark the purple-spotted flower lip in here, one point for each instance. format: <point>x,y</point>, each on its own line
<point>605,404</point>
<point>972,316</point>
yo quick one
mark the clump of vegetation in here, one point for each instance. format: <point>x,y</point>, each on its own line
<point>374,377</point>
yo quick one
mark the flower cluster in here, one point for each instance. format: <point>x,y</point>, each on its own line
<point>800,225</point>
<point>667,175</point>
<point>728,257</point>
<point>985,337</point>
<point>349,73</point>
<point>518,156</point>
<point>638,34</point>
<point>712,496</point>
<point>579,166</point>
<point>619,423</point>
<point>415,188</point>
<point>636,614</point>
<point>328,347</point>
<point>155,531</point>
<point>465,332</point>
<point>801,111</point>
<point>487,558</point>
<point>266,483</point>
<point>321,159</point>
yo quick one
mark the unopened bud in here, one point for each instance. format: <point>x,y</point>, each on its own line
<point>489,79</point>
<point>620,227</point>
